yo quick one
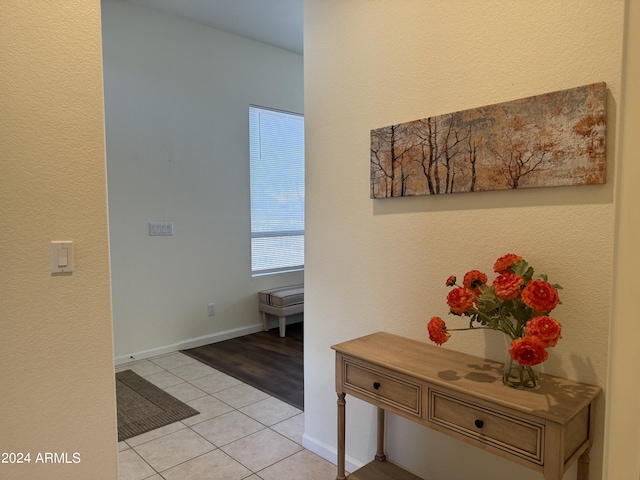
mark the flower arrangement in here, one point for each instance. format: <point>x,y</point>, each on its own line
<point>515,304</point>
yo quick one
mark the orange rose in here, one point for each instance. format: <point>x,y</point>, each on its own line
<point>505,263</point>
<point>507,286</point>
<point>540,296</point>
<point>547,329</point>
<point>473,279</point>
<point>460,300</point>
<point>528,351</point>
<point>451,281</point>
<point>438,331</point>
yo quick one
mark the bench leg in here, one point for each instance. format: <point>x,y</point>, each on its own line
<point>265,322</point>
<point>283,325</point>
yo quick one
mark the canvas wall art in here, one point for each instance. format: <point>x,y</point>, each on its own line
<point>554,139</point>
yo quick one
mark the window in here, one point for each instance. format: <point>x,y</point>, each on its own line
<point>276,144</point>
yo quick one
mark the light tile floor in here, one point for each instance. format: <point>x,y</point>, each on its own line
<point>240,433</point>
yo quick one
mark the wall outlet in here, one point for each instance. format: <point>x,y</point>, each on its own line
<point>211,309</point>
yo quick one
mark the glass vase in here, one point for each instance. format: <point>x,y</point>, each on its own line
<point>519,376</point>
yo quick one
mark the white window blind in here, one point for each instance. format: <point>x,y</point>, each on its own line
<point>277,190</point>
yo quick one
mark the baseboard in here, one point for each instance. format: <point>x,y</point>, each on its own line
<point>329,453</point>
<point>189,343</point>
<point>219,337</point>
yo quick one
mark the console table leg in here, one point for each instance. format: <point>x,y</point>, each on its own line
<point>341,436</point>
<point>380,456</point>
<point>583,466</point>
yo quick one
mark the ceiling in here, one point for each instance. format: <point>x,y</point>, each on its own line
<point>276,22</point>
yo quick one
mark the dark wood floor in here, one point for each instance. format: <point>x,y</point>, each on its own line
<point>262,360</point>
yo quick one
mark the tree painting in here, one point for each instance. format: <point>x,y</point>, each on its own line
<point>554,139</point>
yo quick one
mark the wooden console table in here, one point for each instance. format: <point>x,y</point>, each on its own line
<point>463,396</point>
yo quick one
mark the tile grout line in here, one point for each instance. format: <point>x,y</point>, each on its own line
<point>190,427</point>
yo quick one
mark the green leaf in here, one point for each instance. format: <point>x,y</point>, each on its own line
<point>528,274</point>
<point>520,268</point>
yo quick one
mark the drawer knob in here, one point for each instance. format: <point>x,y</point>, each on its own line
<point>479,423</point>
<point>376,385</point>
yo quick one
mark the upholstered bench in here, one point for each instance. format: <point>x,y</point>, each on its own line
<point>281,302</point>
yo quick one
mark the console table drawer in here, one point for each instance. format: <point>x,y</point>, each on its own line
<point>385,387</point>
<point>514,435</point>
<point>448,391</point>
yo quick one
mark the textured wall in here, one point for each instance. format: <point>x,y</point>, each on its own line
<point>383,263</point>
<point>622,438</point>
<point>177,98</point>
<point>56,344</point>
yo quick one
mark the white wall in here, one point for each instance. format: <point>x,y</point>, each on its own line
<point>381,265</point>
<point>56,351</point>
<point>177,98</point>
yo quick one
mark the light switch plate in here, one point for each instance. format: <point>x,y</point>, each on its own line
<point>61,256</point>
<point>161,229</point>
